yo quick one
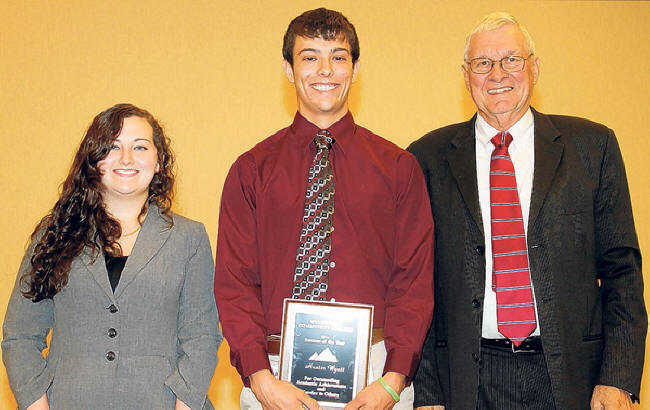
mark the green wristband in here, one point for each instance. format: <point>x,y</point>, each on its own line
<point>389,389</point>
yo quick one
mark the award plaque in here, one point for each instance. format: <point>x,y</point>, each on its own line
<point>325,349</point>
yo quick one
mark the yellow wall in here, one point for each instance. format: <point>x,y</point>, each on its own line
<point>210,70</point>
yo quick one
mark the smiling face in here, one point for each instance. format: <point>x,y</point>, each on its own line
<point>501,98</point>
<point>322,73</point>
<point>131,163</point>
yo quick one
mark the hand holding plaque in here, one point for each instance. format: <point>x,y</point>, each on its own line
<point>375,396</point>
<point>325,349</point>
<point>279,394</point>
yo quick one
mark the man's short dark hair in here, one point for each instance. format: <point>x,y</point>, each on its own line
<point>323,23</point>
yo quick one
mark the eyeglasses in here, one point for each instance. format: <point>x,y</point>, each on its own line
<point>510,64</point>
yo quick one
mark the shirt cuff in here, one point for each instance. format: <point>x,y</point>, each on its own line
<point>401,360</point>
<point>252,360</point>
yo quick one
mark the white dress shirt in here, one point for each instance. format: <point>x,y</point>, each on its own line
<point>522,153</point>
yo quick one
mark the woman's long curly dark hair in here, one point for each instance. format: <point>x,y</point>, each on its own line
<point>79,218</point>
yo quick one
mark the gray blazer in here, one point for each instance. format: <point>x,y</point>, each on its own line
<point>154,339</point>
<point>584,262</point>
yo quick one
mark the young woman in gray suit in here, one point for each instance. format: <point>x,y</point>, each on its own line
<point>124,284</point>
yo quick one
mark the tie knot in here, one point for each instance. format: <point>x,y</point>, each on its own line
<point>502,139</point>
<point>323,139</point>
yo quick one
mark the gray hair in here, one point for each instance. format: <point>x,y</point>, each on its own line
<point>494,21</point>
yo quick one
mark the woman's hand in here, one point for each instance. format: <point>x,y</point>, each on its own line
<point>40,404</point>
<point>181,406</point>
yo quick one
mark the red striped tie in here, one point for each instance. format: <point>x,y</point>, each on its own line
<point>510,274</point>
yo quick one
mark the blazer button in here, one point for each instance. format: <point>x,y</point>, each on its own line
<point>110,356</point>
<point>476,304</point>
<point>480,249</point>
<point>475,357</point>
<point>112,309</point>
<point>112,333</point>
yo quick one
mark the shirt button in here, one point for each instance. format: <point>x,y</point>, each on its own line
<point>112,309</point>
<point>112,333</point>
<point>476,304</point>
<point>480,250</point>
<point>332,264</point>
<point>475,357</point>
<point>110,356</point>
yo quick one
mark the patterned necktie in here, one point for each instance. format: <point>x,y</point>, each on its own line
<point>313,256</point>
<point>510,274</point>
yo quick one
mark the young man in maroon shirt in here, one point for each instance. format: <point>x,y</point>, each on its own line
<point>381,240</point>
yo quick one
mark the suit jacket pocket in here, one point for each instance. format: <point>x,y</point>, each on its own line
<point>594,314</point>
<point>592,338</point>
<point>142,379</point>
<point>79,382</point>
<point>591,357</point>
<point>128,382</point>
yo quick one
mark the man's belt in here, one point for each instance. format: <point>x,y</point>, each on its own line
<point>532,344</point>
<point>273,342</point>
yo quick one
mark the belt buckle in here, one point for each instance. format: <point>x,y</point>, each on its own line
<point>518,350</point>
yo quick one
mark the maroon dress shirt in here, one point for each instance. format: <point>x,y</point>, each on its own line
<point>382,244</point>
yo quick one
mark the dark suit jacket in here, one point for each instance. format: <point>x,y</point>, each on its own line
<point>584,261</point>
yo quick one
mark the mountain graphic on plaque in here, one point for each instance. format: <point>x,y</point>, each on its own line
<point>324,356</point>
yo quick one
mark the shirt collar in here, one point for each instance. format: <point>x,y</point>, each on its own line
<point>485,132</point>
<point>343,130</point>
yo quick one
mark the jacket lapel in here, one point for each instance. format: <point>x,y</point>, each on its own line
<point>97,270</point>
<point>462,162</point>
<point>548,152</point>
<point>154,233</point>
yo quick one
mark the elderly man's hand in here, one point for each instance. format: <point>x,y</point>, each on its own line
<point>375,397</point>
<point>610,398</point>
<point>276,394</point>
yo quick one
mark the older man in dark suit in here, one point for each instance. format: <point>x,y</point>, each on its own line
<point>539,291</point>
